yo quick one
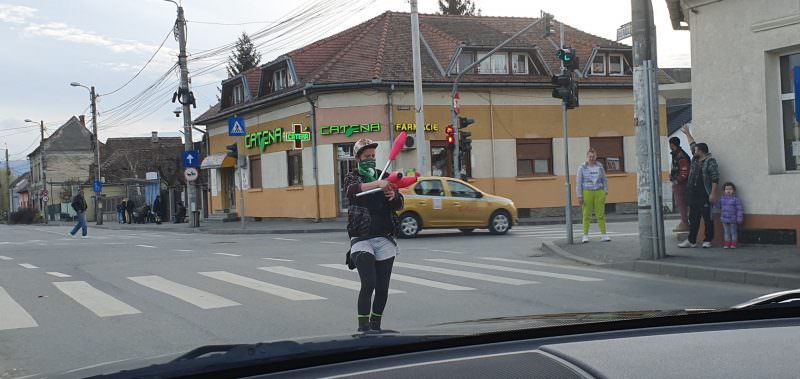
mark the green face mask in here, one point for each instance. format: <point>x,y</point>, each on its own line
<point>366,168</point>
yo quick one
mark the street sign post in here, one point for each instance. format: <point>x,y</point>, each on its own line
<point>190,173</point>
<point>624,31</point>
<point>45,196</point>
<point>236,127</point>
<point>98,186</point>
<point>191,158</point>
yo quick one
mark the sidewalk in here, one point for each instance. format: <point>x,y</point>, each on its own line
<point>767,265</point>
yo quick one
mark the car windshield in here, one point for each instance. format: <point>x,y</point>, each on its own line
<point>183,174</point>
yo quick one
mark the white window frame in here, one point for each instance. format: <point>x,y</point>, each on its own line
<point>458,60</point>
<point>514,60</point>
<point>789,96</point>
<point>621,65</point>
<point>280,79</point>
<point>605,66</point>
<point>491,61</point>
<point>238,94</point>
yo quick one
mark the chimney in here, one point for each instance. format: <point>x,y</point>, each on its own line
<point>154,137</point>
<point>82,118</point>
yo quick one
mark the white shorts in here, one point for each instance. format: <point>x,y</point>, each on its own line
<point>381,247</point>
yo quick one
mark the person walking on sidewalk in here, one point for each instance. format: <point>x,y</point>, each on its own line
<point>79,205</point>
<point>121,212</point>
<point>703,179</point>
<point>129,210</point>
<point>371,226</point>
<point>679,176</point>
<point>592,189</point>
<point>732,214</point>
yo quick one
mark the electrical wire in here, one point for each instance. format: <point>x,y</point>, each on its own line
<point>143,67</point>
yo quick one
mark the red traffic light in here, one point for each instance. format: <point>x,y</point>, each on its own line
<point>449,130</point>
<point>450,139</point>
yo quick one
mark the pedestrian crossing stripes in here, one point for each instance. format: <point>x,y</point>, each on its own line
<point>465,274</point>
<point>325,279</point>
<point>518,270</point>
<point>5,258</point>
<point>28,265</point>
<point>13,316</point>
<point>228,254</point>
<point>58,274</point>
<point>99,302</point>
<point>412,279</point>
<point>194,296</point>
<point>146,246</point>
<point>272,289</point>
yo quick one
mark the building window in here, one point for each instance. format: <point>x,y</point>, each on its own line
<point>282,79</point>
<point>599,65</point>
<point>791,128</point>
<point>465,59</point>
<point>535,157</point>
<point>255,171</point>
<point>496,64</point>
<point>432,187</point>
<point>616,64</point>
<point>295,167</point>
<point>238,94</point>
<point>442,160</point>
<point>609,153</point>
<point>519,63</point>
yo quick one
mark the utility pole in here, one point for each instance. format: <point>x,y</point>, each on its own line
<point>98,205</point>
<point>645,94</point>
<point>185,100</point>
<point>8,184</point>
<point>423,166</point>
<point>43,157</point>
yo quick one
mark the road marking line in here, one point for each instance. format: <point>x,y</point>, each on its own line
<point>147,246</point>
<point>194,296</point>
<point>228,254</point>
<point>566,267</point>
<point>519,270</point>
<point>333,243</point>
<point>576,235</point>
<point>465,274</point>
<point>279,259</point>
<point>412,279</point>
<point>13,315</point>
<point>272,289</point>
<point>27,265</point>
<point>449,251</point>
<point>183,250</point>
<point>113,243</point>
<point>5,258</point>
<point>284,239</point>
<point>325,279</point>
<point>58,274</point>
<point>99,302</point>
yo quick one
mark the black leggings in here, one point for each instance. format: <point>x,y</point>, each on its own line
<point>374,277</point>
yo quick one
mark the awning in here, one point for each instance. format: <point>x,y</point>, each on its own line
<point>218,161</point>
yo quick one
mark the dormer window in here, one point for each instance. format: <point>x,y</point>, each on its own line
<point>610,64</point>
<point>238,94</point>
<point>520,62</point>
<point>616,64</point>
<point>599,65</point>
<point>496,64</point>
<point>281,79</point>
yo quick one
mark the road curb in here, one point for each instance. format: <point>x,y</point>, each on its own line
<point>757,278</point>
<point>215,231</point>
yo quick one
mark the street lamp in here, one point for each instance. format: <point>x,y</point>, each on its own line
<point>98,206</point>
<point>42,160</point>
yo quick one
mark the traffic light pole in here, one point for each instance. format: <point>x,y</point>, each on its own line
<point>568,183</point>
<point>453,114</point>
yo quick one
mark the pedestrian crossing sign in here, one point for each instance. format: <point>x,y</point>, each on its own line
<point>236,127</point>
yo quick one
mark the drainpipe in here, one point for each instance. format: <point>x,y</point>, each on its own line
<point>390,105</point>
<point>491,126</point>
<point>314,150</point>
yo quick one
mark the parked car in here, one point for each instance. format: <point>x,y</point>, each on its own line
<point>442,202</point>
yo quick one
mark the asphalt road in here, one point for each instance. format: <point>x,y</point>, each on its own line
<point>67,302</point>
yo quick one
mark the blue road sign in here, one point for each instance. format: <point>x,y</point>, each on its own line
<point>797,93</point>
<point>236,127</point>
<point>191,158</point>
<point>98,186</point>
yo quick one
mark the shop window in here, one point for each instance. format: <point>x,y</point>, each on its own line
<point>255,171</point>
<point>432,187</point>
<point>496,64</point>
<point>535,157</point>
<point>442,161</point>
<point>609,153</point>
<point>791,128</point>
<point>295,167</point>
<point>599,65</point>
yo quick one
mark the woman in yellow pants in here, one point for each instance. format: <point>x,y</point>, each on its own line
<point>592,187</point>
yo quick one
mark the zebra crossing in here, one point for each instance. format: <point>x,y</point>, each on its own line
<point>96,300</point>
<point>553,232</point>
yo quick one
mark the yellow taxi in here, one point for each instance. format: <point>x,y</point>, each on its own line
<point>441,202</point>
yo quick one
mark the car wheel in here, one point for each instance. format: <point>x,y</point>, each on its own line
<point>410,225</point>
<point>500,222</point>
<point>467,230</point>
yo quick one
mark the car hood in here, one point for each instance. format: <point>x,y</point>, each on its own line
<point>202,358</point>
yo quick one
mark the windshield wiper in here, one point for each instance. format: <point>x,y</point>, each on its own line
<point>788,298</point>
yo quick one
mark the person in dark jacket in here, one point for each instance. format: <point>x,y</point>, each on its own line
<point>129,210</point>
<point>180,213</point>
<point>371,228</point>
<point>702,192</point>
<point>158,209</point>
<point>79,205</point>
<point>121,212</point>
<point>679,176</point>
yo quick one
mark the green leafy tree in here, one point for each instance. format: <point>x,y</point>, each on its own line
<point>458,7</point>
<point>244,57</point>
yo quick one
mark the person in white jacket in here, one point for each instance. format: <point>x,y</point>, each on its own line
<point>592,187</point>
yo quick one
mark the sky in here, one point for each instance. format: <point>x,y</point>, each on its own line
<point>46,44</point>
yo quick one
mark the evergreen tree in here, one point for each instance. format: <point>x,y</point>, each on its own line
<point>458,7</point>
<point>244,57</point>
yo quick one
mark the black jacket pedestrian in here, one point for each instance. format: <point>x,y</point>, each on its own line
<point>79,203</point>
